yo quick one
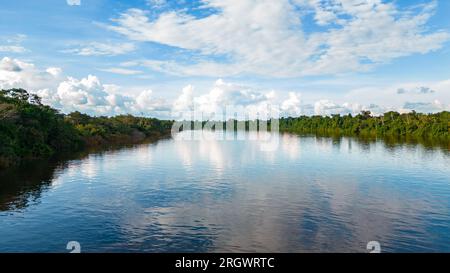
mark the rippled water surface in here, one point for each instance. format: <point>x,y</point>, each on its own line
<point>227,193</point>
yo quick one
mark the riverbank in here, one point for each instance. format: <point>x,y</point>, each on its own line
<point>89,145</point>
<point>31,130</point>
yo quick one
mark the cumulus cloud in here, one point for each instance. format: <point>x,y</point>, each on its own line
<point>185,102</point>
<point>223,99</point>
<point>87,91</point>
<point>146,102</point>
<point>85,95</point>
<point>266,37</point>
<point>69,94</point>
<point>225,96</point>
<point>91,96</point>
<point>73,2</point>
<point>102,49</point>
<point>15,73</point>
<point>292,106</point>
<point>230,100</point>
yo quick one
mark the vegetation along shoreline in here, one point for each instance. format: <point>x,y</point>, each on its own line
<point>31,130</point>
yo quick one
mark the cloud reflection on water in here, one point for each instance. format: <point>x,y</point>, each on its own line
<point>311,194</point>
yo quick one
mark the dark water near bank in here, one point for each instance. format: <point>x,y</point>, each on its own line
<point>308,194</point>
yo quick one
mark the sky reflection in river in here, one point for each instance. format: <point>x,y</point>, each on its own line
<point>310,194</point>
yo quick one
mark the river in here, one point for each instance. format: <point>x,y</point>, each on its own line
<point>225,193</point>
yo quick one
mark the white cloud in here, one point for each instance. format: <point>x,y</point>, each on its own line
<point>91,96</point>
<point>102,49</point>
<point>73,2</point>
<point>12,49</point>
<point>221,101</point>
<point>12,44</point>
<point>327,107</point>
<point>185,102</point>
<point>54,71</point>
<point>69,94</point>
<point>293,105</point>
<point>122,71</point>
<point>19,74</point>
<point>377,100</point>
<point>405,96</point>
<point>426,107</point>
<point>146,102</point>
<point>266,37</point>
<point>424,97</point>
<point>87,91</point>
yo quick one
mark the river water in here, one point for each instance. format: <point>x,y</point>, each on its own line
<point>226,193</point>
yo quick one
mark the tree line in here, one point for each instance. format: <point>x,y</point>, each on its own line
<point>392,123</point>
<point>29,129</point>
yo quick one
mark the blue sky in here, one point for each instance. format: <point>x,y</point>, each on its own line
<point>150,56</point>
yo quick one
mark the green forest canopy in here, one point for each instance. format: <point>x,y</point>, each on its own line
<point>29,129</point>
<point>390,124</point>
